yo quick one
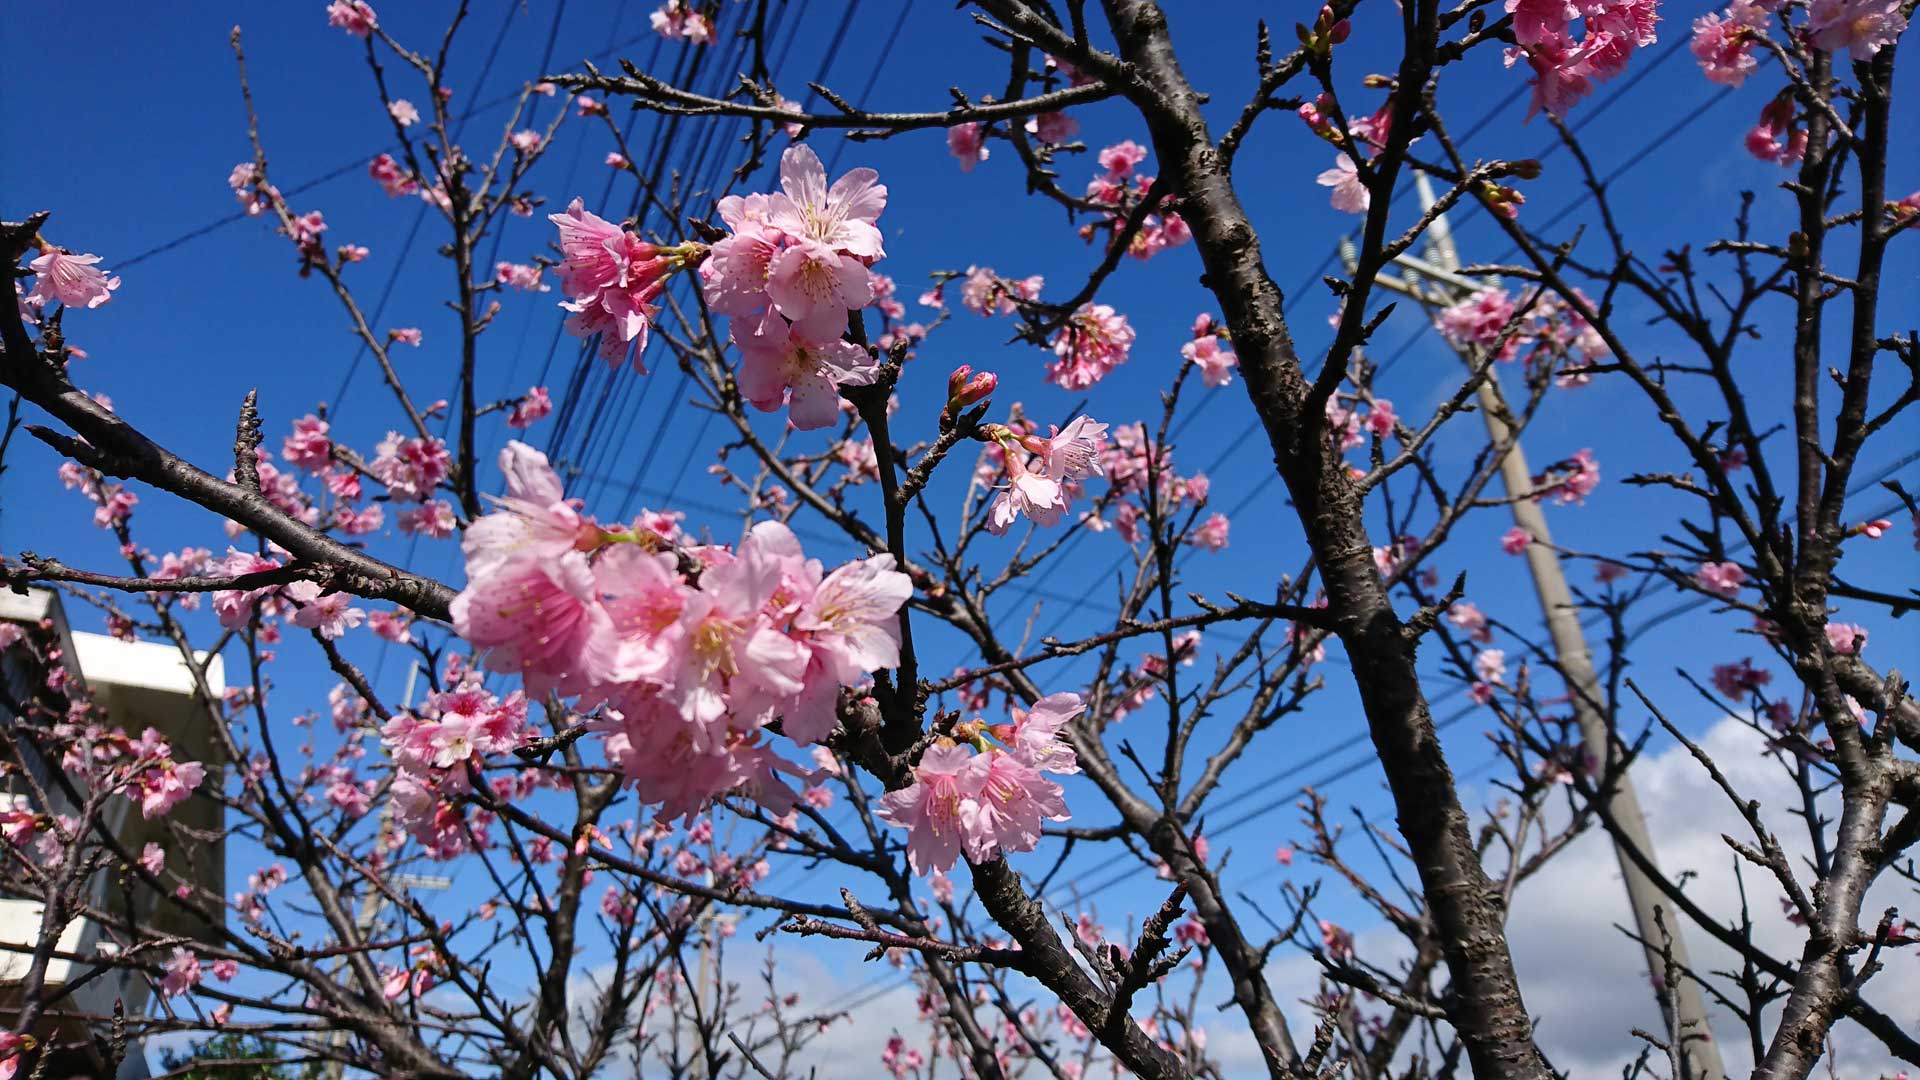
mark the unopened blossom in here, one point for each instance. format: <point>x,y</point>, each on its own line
<point>352,253</point>
<point>356,17</point>
<point>1860,27</point>
<point>1515,540</point>
<point>405,335</point>
<point>617,160</point>
<point>1875,529</point>
<point>1722,578</point>
<point>534,406</point>
<point>1095,340</point>
<point>74,280</point>
<point>1349,193</point>
<point>403,112</point>
<point>968,145</point>
<point>780,366</point>
<point>1213,357</point>
<point>308,447</point>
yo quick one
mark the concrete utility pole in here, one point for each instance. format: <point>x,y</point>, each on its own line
<point>1683,1006</point>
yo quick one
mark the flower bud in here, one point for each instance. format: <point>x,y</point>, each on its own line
<point>1527,169</point>
<point>965,389</point>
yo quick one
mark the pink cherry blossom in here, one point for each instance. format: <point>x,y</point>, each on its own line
<point>331,614</point>
<point>1095,340</point>
<point>1215,360</point>
<point>521,276</point>
<point>1490,665</point>
<point>405,335</point>
<point>841,217</point>
<point>1008,801</point>
<point>1380,418</point>
<point>525,141</point>
<point>1861,27</point>
<point>1035,734</point>
<point>308,447</point>
<point>71,279</point>
<point>533,407</point>
<point>1777,119</point>
<point>967,144</point>
<point>1120,159</point>
<point>1724,47</point>
<point>392,177</point>
<point>1034,494</point>
<point>356,17</point>
<point>1846,639</point>
<point>815,285</point>
<point>226,970</point>
<point>1515,540</point>
<point>779,366</point>
<point>1073,452</point>
<point>410,468</point>
<point>181,974</point>
<point>403,112</point>
<point>540,617</point>
<point>1350,193</point>
<point>433,519</point>
<point>611,279</point>
<point>1468,618</point>
<point>1722,578</point>
<point>1053,128</point>
<point>1211,534</point>
<point>930,808</point>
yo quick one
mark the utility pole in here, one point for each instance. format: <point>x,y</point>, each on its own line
<point>367,919</point>
<point>1682,1006</point>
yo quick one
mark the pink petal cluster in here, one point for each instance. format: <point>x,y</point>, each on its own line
<point>692,662</point>
<point>1094,341</point>
<point>74,280</point>
<point>611,278</point>
<point>968,145</point>
<point>520,276</point>
<point>1539,326</point>
<point>985,293</point>
<point>1860,27</point>
<point>1778,137</point>
<point>1040,488</point>
<point>393,177</point>
<point>535,406</point>
<point>308,448</point>
<point>678,19</point>
<point>356,17</point>
<point>990,802</point>
<point>1570,482</point>
<point>1350,193</point>
<point>1722,578</point>
<point>1211,353</point>
<point>410,468</point>
<point>1564,67</point>
<point>793,265</point>
<point>1723,43</point>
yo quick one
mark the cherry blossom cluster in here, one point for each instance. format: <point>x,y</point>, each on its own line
<point>1138,469</point>
<point>611,279</point>
<point>1095,340</point>
<point>1565,67</point>
<point>1539,325</point>
<point>1211,350</point>
<point>438,750</point>
<point>1119,188</point>
<point>679,20</point>
<point>692,651</point>
<point>982,791</point>
<point>1042,474</point>
<point>793,266</point>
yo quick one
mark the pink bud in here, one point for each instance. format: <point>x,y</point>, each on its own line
<point>957,381</point>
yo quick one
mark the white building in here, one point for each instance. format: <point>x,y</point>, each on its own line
<point>139,685</point>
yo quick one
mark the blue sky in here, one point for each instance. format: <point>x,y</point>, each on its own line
<point>132,151</point>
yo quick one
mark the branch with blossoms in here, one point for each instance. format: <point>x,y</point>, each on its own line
<point>628,706</point>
